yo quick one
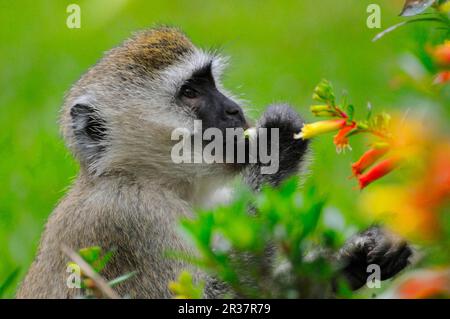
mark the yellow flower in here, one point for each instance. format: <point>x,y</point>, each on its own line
<point>313,129</point>
<point>395,206</point>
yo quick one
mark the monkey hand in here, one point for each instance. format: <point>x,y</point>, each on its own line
<point>375,246</point>
<point>287,152</point>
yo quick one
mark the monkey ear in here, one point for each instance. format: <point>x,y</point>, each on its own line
<point>87,122</point>
<point>89,130</point>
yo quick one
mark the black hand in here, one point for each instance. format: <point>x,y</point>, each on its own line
<point>374,246</point>
<point>290,151</point>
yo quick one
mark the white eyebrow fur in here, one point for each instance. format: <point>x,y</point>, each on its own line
<point>176,74</point>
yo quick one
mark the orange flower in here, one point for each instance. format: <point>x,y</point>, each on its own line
<point>428,285</point>
<point>441,53</point>
<point>414,209</point>
<point>378,171</point>
<point>367,159</point>
<point>435,187</point>
<point>341,139</point>
<point>313,129</point>
<point>442,77</point>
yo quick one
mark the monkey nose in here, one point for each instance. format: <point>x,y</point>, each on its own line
<point>232,111</point>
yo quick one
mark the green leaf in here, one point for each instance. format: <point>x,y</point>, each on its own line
<point>103,261</point>
<point>93,256</point>
<point>312,216</point>
<point>344,102</point>
<point>398,25</point>
<point>121,279</point>
<point>90,254</point>
<point>369,112</point>
<point>350,110</point>
<point>9,280</point>
<point>289,187</point>
<point>185,287</point>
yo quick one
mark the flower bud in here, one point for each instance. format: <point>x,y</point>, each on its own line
<point>322,110</point>
<point>323,92</point>
<point>319,108</point>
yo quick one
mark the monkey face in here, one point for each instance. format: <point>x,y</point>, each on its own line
<point>121,114</point>
<point>213,108</point>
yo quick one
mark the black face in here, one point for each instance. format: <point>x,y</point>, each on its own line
<point>212,107</point>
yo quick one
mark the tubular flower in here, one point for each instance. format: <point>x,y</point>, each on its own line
<point>378,171</point>
<point>368,159</point>
<point>313,129</point>
<point>341,139</point>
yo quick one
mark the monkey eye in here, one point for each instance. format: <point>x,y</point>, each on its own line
<point>188,92</point>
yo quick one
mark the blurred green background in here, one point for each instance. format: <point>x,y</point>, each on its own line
<point>279,50</point>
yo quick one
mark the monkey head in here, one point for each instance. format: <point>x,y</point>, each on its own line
<point>119,116</point>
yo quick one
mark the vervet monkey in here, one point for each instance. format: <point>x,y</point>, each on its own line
<point>129,195</point>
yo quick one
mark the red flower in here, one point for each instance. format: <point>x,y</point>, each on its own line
<point>430,285</point>
<point>341,138</point>
<point>378,171</point>
<point>367,159</point>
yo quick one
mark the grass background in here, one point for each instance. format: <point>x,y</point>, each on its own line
<point>279,50</point>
